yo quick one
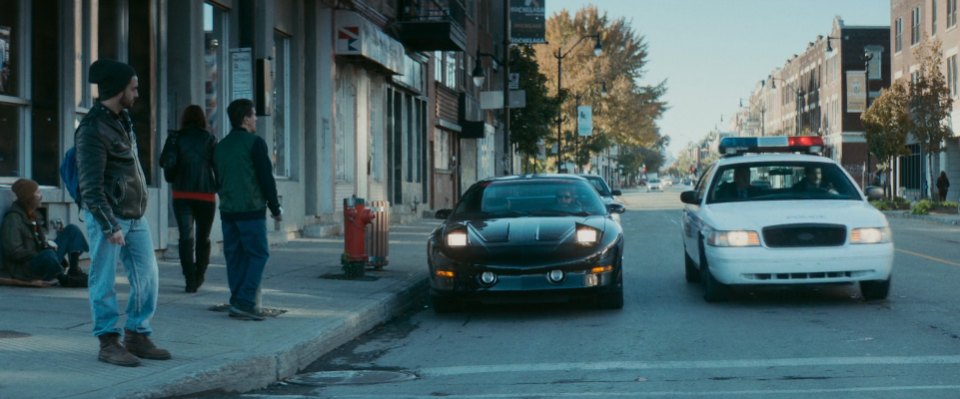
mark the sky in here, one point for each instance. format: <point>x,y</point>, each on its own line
<point>713,52</point>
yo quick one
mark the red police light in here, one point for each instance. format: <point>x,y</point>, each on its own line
<point>805,141</point>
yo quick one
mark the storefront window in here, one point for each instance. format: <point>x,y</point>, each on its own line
<point>9,140</point>
<point>214,32</point>
<point>281,105</point>
<point>9,47</point>
<point>10,107</point>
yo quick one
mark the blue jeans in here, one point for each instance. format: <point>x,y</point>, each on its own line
<point>246,251</point>
<point>140,264</point>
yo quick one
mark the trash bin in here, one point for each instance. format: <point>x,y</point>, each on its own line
<point>378,235</point>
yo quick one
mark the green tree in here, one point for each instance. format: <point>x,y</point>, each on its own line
<point>930,103</point>
<point>629,112</point>
<point>887,123</point>
<point>531,124</point>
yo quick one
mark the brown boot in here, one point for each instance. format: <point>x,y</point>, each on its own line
<point>112,352</point>
<point>141,346</point>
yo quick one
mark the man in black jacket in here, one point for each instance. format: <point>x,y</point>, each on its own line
<point>114,193</point>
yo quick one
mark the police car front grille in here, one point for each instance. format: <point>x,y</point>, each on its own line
<point>804,235</point>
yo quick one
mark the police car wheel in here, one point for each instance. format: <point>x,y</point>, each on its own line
<point>713,290</point>
<point>690,269</point>
<point>875,290</point>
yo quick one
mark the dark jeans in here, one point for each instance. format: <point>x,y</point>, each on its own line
<point>71,240</point>
<point>46,265</point>
<point>246,249</point>
<point>189,211</point>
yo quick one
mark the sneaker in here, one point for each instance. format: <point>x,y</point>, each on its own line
<point>238,313</point>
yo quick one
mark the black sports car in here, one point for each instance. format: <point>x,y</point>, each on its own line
<point>527,238</point>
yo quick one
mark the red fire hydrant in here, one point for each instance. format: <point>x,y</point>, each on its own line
<point>355,221</point>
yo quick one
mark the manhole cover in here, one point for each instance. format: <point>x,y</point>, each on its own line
<point>13,334</point>
<point>351,377</point>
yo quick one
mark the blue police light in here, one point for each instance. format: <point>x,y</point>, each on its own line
<point>739,145</point>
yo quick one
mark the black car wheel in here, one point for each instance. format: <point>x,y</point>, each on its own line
<point>611,300</point>
<point>875,290</point>
<point>690,269</point>
<point>444,305</point>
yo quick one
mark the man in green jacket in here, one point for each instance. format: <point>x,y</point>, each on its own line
<point>247,189</point>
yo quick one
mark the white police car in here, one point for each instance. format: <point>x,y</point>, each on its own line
<point>758,217</point>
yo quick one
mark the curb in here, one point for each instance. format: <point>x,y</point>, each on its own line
<point>241,374</point>
<point>927,218</point>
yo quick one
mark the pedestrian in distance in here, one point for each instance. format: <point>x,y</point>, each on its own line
<point>943,184</point>
<point>27,253</point>
<point>247,189</point>
<point>187,161</point>
<point>114,194</point>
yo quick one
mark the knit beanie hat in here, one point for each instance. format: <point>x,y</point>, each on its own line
<point>112,77</point>
<point>25,189</point>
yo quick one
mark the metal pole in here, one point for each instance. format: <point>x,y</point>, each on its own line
<point>508,146</point>
<point>866,85</point>
<point>559,110</point>
<point>576,135</point>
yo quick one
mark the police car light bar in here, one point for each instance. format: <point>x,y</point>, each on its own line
<point>739,145</point>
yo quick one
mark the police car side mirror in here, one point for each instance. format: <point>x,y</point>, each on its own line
<point>443,213</point>
<point>689,197</point>
<point>616,192</point>
<point>874,193</point>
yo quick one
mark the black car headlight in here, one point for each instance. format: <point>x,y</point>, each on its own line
<point>456,239</point>
<point>587,235</point>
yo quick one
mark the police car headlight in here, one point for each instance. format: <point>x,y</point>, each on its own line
<point>733,238</point>
<point>870,235</point>
<point>457,239</point>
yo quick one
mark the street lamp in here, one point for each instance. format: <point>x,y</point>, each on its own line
<point>479,76</point>
<point>867,57</point>
<point>560,55</point>
<point>829,38</point>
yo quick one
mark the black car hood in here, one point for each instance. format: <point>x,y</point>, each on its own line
<point>527,240</point>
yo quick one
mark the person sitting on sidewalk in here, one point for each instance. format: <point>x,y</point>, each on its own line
<point>27,254</point>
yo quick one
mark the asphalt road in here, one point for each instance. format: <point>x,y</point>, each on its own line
<point>667,342</point>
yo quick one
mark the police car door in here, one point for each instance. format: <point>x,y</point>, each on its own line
<point>690,221</point>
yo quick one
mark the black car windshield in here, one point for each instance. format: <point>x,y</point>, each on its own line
<point>529,198</point>
<point>771,181</point>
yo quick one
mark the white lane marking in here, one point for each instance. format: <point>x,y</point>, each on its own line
<point>710,394</point>
<point>690,364</point>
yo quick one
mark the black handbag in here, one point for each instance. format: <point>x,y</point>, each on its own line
<point>168,156</point>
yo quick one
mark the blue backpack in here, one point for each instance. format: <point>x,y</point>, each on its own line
<point>70,174</point>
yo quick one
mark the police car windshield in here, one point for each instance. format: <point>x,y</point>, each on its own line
<point>772,181</point>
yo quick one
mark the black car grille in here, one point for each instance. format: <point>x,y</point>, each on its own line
<point>805,235</point>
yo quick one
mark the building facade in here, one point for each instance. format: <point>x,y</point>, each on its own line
<point>915,22</point>
<point>366,98</point>
<point>822,91</point>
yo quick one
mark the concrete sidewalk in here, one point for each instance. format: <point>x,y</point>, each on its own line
<point>47,350</point>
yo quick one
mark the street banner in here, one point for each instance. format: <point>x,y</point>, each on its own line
<point>856,91</point>
<point>528,24</point>
<point>494,99</point>
<point>585,120</point>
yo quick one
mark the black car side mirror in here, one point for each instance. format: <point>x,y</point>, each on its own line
<point>616,192</point>
<point>689,197</point>
<point>616,208</point>
<point>443,213</point>
<point>873,192</point>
